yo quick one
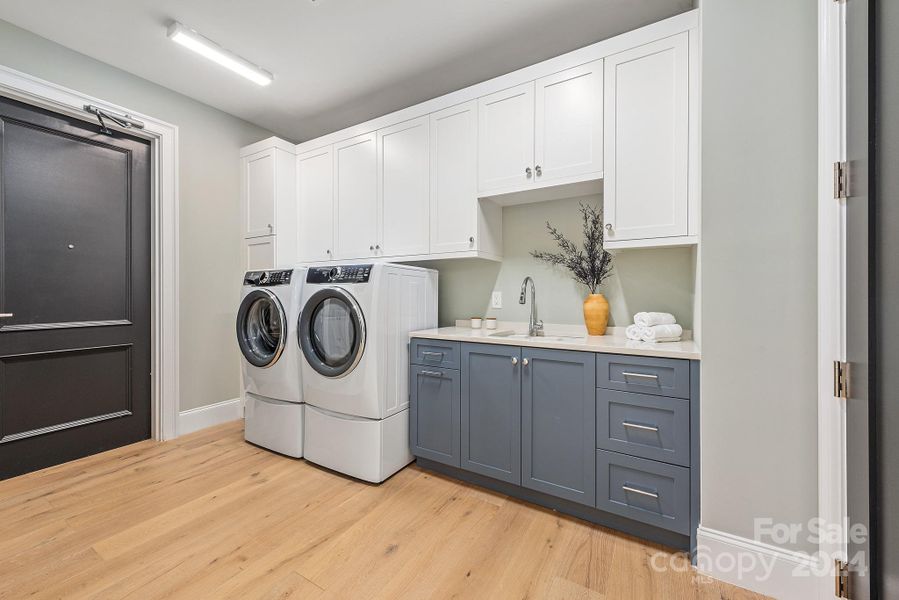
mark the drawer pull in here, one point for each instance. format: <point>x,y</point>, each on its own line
<point>628,488</point>
<point>627,374</point>
<point>639,426</point>
<point>431,373</point>
<point>438,355</point>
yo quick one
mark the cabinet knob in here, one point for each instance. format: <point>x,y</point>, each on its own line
<point>538,170</point>
<point>527,171</point>
<point>471,240</point>
<point>270,228</point>
<point>514,360</point>
<point>525,362</point>
<point>608,227</point>
<point>328,251</point>
<point>377,246</point>
<point>371,248</point>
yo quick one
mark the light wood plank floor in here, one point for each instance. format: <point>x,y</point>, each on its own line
<point>209,516</point>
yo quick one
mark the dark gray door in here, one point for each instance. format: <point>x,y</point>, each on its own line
<point>558,424</point>
<point>491,411</point>
<point>886,285</point>
<point>74,289</point>
<point>435,414</point>
<point>858,293</point>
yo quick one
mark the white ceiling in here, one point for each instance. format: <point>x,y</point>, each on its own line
<point>336,62</point>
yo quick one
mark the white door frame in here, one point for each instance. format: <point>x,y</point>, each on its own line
<point>832,508</point>
<point>164,252</point>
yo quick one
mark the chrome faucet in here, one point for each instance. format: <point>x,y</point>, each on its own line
<point>535,326</point>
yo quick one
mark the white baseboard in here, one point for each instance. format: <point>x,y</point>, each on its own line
<point>202,417</point>
<point>758,566</point>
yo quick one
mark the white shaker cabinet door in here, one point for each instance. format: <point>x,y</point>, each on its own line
<point>315,204</point>
<point>404,188</point>
<point>258,193</point>
<point>356,197</point>
<point>454,178</point>
<point>506,139</point>
<point>646,141</point>
<point>569,122</point>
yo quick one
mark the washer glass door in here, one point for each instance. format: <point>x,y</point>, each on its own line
<point>261,328</point>
<point>332,332</point>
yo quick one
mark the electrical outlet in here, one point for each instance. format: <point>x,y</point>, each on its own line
<point>496,301</point>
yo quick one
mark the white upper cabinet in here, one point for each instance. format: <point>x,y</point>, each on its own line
<point>356,197</point>
<point>454,178</point>
<point>258,171</point>
<point>315,205</point>
<point>569,122</point>
<point>647,142</point>
<point>506,139</point>
<point>404,188</point>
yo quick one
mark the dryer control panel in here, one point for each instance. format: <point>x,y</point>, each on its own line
<point>339,274</point>
<point>266,278</point>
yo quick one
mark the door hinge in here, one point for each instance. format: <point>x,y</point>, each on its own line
<point>840,379</point>
<point>840,180</point>
<point>841,579</point>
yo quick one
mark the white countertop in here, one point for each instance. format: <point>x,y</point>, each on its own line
<point>564,337</point>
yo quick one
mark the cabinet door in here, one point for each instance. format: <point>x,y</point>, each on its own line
<point>356,196</point>
<point>454,178</point>
<point>569,121</point>
<point>315,203</point>
<point>646,141</point>
<point>506,139</point>
<point>258,193</point>
<point>259,253</point>
<point>434,414</point>
<point>404,188</point>
<point>558,425</point>
<point>491,411</point>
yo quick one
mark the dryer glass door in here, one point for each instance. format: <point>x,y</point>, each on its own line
<point>261,328</point>
<point>332,332</point>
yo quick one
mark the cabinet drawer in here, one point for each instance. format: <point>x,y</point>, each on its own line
<point>646,375</point>
<point>642,425</point>
<point>644,490</point>
<point>435,353</point>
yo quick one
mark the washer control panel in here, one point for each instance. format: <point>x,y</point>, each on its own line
<point>267,278</point>
<point>339,274</point>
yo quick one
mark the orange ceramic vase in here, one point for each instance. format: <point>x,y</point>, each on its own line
<point>596,314</point>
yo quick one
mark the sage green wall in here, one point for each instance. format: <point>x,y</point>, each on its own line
<point>759,264</point>
<point>657,279</point>
<point>208,153</point>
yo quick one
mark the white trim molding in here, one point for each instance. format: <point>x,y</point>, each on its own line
<point>164,285</point>
<point>202,417</point>
<point>757,566</point>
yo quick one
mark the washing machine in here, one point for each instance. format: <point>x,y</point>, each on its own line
<point>266,330</point>
<point>353,332</point>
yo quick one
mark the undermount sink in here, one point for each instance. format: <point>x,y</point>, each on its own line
<point>523,336</point>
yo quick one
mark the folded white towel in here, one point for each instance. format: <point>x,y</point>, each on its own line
<point>634,332</point>
<point>663,333</point>
<point>649,319</point>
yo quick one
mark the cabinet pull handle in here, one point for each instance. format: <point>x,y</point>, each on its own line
<point>628,488</point>
<point>431,373</point>
<point>270,228</point>
<point>639,426</point>
<point>538,170</point>
<point>426,354</point>
<point>527,172</point>
<point>627,374</point>
<point>525,362</point>
<point>514,360</point>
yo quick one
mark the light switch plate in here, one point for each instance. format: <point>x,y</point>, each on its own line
<point>496,301</point>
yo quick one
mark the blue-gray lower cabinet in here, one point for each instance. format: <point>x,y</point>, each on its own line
<point>491,411</point>
<point>435,414</point>
<point>558,423</point>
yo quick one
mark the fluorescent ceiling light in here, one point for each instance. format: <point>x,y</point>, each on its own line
<point>205,47</point>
